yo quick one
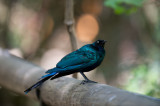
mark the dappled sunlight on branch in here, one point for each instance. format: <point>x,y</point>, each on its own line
<point>16,52</point>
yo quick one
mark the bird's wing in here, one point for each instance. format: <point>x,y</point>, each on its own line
<point>76,58</point>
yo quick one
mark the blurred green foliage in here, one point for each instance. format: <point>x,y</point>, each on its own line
<point>144,81</point>
<point>124,6</point>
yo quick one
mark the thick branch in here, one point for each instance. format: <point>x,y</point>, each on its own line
<point>17,75</point>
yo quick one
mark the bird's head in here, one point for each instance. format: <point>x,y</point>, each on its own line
<point>100,43</point>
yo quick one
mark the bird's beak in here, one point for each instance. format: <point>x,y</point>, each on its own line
<point>105,41</point>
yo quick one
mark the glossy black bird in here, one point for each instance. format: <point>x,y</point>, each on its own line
<point>82,60</point>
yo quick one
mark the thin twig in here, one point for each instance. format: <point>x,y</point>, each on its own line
<point>69,21</point>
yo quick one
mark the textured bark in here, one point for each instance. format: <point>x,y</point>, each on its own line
<point>17,75</point>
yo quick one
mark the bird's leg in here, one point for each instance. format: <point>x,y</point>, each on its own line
<point>84,76</point>
<point>86,79</point>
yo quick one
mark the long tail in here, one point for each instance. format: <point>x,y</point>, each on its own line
<point>43,79</point>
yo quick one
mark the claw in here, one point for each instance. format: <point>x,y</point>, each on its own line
<point>87,81</point>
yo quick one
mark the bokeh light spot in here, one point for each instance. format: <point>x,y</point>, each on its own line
<point>87,28</point>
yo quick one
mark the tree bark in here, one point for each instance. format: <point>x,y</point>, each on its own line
<point>17,75</point>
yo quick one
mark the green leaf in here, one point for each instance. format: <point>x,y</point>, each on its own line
<point>124,6</point>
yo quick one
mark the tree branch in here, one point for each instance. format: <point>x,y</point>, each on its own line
<point>69,21</point>
<point>17,75</point>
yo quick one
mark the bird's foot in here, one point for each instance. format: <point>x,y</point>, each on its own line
<point>87,81</point>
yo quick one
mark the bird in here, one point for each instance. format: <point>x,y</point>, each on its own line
<point>85,59</point>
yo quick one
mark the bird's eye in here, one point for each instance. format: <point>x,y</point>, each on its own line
<point>97,41</point>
